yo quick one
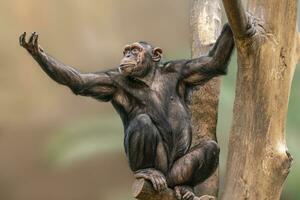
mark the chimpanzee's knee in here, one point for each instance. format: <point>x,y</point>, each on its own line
<point>213,151</point>
<point>210,162</point>
<point>141,138</point>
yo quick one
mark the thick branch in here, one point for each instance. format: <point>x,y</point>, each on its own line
<point>258,160</point>
<point>237,17</point>
<point>143,190</point>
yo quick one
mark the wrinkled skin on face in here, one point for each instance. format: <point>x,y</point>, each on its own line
<point>138,59</point>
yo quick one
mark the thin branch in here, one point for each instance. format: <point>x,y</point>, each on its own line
<point>237,18</point>
<point>143,190</point>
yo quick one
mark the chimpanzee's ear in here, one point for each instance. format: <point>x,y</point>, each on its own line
<point>157,53</point>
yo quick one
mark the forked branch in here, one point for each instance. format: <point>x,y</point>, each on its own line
<point>143,190</point>
<point>237,17</point>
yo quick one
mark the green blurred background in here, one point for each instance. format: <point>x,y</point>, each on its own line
<point>54,145</point>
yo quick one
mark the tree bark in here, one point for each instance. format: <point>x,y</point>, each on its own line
<point>268,49</point>
<point>205,22</point>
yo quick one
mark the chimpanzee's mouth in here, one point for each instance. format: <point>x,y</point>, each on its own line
<point>126,65</point>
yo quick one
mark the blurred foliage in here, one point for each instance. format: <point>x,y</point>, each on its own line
<point>87,137</point>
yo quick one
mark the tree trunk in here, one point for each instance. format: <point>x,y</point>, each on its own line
<point>268,49</point>
<point>205,26</point>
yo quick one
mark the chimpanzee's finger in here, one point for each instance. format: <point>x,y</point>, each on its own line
<point>157,180</point>
<point>161,184</point>
<point>31,38</point>
<point>165,184</point>
<point>187,196</point>
<point>35,41</point>
<point>154,183</point>
<point>177,193</point>
<point>22,39</point>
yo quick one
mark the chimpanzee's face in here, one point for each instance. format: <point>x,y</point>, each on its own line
<point>138,59</point>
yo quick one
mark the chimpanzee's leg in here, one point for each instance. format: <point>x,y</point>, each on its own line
<point>195,166</point>
<point>142,141</point>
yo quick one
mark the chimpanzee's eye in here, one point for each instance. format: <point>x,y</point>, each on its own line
<point>125,52</point>
<point>135,50</point>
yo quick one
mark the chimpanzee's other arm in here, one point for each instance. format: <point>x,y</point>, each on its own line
<point>97,85</point>
<point>196,71</point>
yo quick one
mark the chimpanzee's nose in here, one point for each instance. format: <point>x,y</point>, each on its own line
<point>127,55</point>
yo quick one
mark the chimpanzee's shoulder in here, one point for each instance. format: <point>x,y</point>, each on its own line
<point>173,65</point>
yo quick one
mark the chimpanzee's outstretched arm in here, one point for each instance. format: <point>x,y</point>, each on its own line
<point>97,85</point>
<point>215,63</point>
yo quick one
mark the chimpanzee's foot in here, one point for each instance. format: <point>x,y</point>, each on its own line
<point>157,178</point>
<point>184,193</point>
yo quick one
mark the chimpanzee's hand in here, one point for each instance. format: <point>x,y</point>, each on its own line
<point>157,178</point>
<point>32,45</point>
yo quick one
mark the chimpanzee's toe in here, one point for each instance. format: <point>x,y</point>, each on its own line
<point>184,193</point>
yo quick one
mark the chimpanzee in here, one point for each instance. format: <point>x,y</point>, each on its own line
<point>151,99</point>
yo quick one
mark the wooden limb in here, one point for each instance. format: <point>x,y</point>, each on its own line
<point>258,160</point>
<point>143,190</point>
<point>237,17</point>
